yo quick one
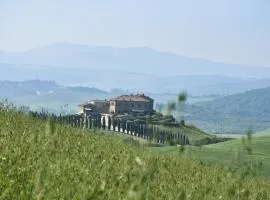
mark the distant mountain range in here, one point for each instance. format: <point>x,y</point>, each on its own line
<point>135,69</point>
<point>136,59</point>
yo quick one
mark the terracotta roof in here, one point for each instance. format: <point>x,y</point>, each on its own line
<point>83,104</point>
<point>98,100</point>
<point>88,105</point>
<point>137,110</point>
<point>138,97</point>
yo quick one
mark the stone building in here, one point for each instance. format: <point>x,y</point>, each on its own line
<point>131,104</point>
<point>94,107</point>
<point>124,104</point>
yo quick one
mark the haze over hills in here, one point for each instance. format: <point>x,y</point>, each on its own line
<point>50,95</point>
<point>234,113</point>
<point>136,69</point>
<point>225,114</point>
<point>136,59</point>
<point>47,94</point>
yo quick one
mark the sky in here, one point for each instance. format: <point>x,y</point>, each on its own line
<point>231,31</point>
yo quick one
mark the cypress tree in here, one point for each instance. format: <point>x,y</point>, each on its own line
<point>82,122</point>
<point>90,122</point>
<point>187,141</point>
<point>124,126</point>
<point>128,126</point>
<point>163,137</point>
<point>109,123</point>
<point>99,121</point>
<point>95,122</point>
<point>86,122</point>
<point>135,129</point>
<point>118,125</point>
<point>131,127</point>
<point>113,123</point>
<point>103,123</point>
<point>140,130</point>
<point>147,132</point>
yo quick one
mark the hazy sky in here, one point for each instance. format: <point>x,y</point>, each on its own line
<point>234,31</point>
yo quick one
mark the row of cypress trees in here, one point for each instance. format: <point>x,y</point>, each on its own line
<point>142,130</point>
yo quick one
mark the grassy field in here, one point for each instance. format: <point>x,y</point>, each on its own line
<point>230,154</point>
<point>40,160</point>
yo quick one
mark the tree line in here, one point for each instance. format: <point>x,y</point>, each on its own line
<point>141,130</point>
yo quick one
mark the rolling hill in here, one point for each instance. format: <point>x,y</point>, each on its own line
<point>229,154</point>
<point>234,113</point>
<point>265,132</point>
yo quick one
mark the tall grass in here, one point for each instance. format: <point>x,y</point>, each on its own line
<point>41,160</point>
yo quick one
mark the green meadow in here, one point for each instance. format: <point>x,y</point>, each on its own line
<point>230,154</point>
<point>41,160</point>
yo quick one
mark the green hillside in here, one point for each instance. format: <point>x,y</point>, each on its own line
<point>265,132</point>
<point>229,154</point>
<point>252,103</point>
<point>234,113</point>
<point>196,136</point>
<point>43,161</point>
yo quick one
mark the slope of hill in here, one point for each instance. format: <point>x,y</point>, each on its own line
<point>43,161</point>
<point>265,132</point>
<point>237,112</point>
<point>230,154</point>
<point>196,136</point>
<point>254,103</point>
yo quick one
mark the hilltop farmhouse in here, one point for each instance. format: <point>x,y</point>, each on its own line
<point>124,104</point>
